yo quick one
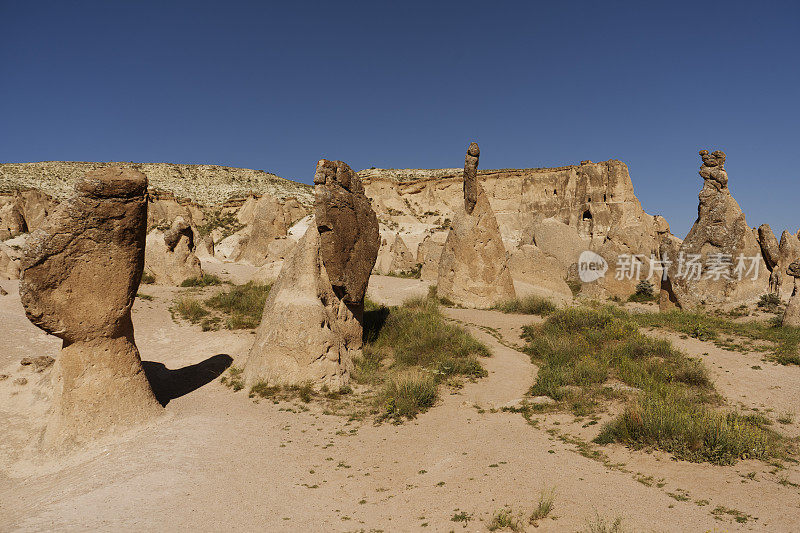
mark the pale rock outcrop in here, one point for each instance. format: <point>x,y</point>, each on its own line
<point>429,252</point>
<point>268,223</point>
<point>531,265</point>
<point>770,251</point>
<point>170,257</point>
<point>558,240</point>
<point>789,248</point>
<point>792,315</point>
<point>9,266</point>
<point>402,258</point>
<point>473,269</point>
<point>720,236</point>
<point>311,329</point>
<point>80,273</point>
<point>12,222</point>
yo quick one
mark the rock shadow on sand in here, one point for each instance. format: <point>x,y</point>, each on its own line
<point>170,384</point>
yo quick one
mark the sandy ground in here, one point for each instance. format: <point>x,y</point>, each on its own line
<point>218,461</point>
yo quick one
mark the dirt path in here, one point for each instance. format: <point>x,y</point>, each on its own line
<point>217,460</point>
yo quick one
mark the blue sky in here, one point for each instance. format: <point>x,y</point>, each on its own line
<point>276,86</point>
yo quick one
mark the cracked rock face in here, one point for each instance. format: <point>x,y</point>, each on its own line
<point>80,274</point>
<point>348,229</point>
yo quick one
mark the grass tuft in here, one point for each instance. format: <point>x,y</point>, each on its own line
<point>206,280</point>
<point>528,305</point>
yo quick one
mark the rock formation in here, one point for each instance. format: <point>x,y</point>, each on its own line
<point>269,222</point>
<point>473,269</point>
<point>402,258</point>
<point>429,252</point>
<point>720,243</point>
<point>310,330</point>
<point>348,228</point>
<point>770,251</point>
<point>471,177</point>
<point>80,273</point>
<point>792,315</point>
<point>170,256</point>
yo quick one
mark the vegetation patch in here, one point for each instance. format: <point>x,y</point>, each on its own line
<point>236,307</point>
<point>206,280</point>
<point>409,351</point>
<point>781,341</point>
<point>644,293</point>
<point>670,398</point>
<point>527,305</point>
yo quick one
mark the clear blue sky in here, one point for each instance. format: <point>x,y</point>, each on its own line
<point>277,85</point>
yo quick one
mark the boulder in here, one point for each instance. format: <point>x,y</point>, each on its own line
<point>530,265</point>
<point>170,257</point>
<point>721,243</point>
<point>311,328</point>
<point>12,222</point>
<point>473,269</point>
<point>80,274</point>
<point>558,240</point>
<point>792,315</point>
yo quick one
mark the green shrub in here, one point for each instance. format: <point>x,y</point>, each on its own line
<point>190,309</point>
<point>243,304</point>
<point>645,292</point>
<point>148,278</point>
<point>770,302</point>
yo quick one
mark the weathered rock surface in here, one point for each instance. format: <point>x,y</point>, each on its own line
<point>531,265</point>
<point>473,268</point>
<point>348,228</point>
<point>310,330</point>
<point>719,238</point>
<point>429,252</point>
<point>770,251</point>
<point>170,257</point>
<point>9,266</point>
<point>402,258</point>
<point>79,278</point>
<point>268,223</point>
<point>307,333</point>
<point>792,315</point>
<point>594,200</point>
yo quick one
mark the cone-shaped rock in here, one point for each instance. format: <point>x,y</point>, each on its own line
<point>473,268</point>
<point>80,273</point>
<point>310,330</point>
<point>721,242</point>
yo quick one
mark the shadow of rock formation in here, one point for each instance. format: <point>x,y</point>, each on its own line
<point>170,384</point>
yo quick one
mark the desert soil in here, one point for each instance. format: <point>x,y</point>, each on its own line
<point>218,460</point>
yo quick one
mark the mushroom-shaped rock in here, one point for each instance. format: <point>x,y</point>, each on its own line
<point>770,251</point>
<point>80,273</point>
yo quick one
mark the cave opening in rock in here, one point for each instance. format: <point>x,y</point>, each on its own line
<point>587,215</point>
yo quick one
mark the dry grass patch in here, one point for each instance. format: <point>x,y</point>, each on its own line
<point>409,350</point>
<point>672,405</point>
<point>236,307</point>
<point>527,305</point>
